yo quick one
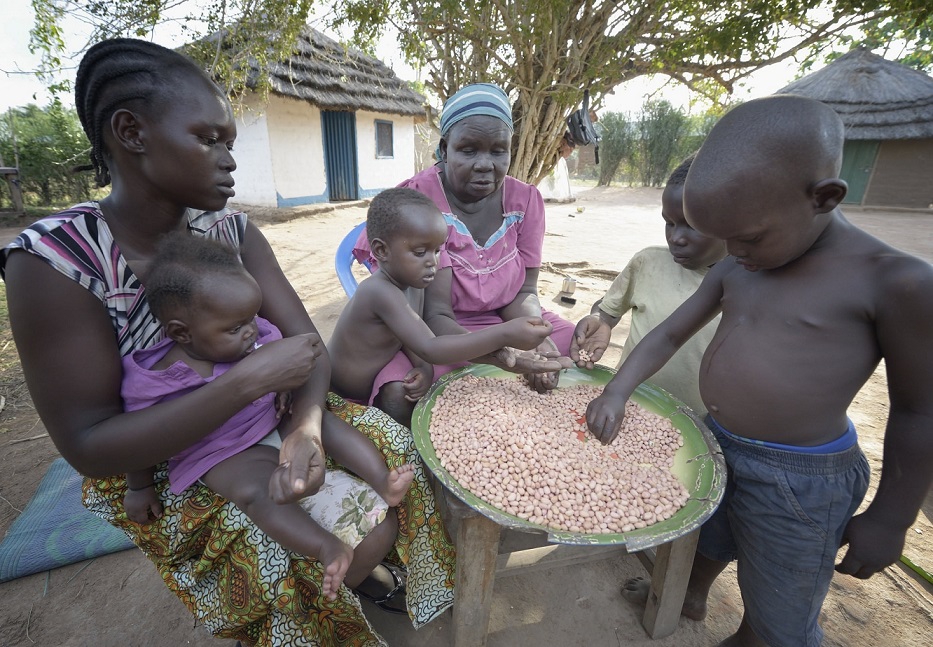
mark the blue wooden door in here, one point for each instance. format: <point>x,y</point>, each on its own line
<point>339,133</point>
<point>858,160</point>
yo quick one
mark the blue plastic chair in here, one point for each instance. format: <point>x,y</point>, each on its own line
<point>344,259</point>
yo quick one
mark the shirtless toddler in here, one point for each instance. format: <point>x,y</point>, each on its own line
<point>406,231</point>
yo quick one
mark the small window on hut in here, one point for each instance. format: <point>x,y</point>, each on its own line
<point>384,147</point>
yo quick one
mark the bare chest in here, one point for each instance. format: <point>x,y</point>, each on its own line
<point>814,314</point>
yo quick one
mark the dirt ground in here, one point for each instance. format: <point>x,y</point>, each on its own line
<point>119,599</point>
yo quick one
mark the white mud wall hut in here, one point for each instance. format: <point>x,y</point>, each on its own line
<point>336,125</point>
<point>887,109</point>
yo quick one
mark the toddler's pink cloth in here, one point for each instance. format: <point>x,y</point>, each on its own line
<point>143,387</point>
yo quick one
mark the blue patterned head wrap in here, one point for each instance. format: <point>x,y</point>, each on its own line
<point>476,99</point>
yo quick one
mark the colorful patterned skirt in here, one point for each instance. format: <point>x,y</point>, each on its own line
<point>242,585</point>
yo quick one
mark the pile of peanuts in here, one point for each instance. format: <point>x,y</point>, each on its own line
<point>531,455</point>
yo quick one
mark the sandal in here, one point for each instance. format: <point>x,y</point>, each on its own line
<point>398,569</point>
<point>397,593</point>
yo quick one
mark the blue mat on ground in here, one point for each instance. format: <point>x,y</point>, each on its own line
<point>56,529</point>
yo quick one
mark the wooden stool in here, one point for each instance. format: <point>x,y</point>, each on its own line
<point>479,562</point>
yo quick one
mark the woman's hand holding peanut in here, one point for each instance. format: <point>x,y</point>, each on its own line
<point>417,382</point>
<point>284,364</point>
<point>546,381</point>
<point>531,361</point>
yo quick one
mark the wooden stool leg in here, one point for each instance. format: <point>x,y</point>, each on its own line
<point>669,578</point>
<point>477,547</point>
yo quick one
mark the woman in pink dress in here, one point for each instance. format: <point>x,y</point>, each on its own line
<point>488,270</point>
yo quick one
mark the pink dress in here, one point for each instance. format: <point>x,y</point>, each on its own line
<point>484,279</point>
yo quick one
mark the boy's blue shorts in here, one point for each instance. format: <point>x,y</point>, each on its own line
<point>782,517</point>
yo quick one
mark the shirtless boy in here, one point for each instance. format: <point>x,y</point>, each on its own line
<point>810,306</point>
<point>406,231</point>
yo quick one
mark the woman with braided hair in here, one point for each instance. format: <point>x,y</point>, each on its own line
<point>162,133</point>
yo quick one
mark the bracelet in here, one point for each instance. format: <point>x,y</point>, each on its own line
<point>140,489</point>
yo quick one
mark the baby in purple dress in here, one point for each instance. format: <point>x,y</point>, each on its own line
<point>208,304</point>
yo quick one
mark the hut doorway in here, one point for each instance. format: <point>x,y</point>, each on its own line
<point>858,160</point>
<point>338,130</point>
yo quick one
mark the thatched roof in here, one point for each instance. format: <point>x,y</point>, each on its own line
<point>323,72</point>
<point>876,98</point>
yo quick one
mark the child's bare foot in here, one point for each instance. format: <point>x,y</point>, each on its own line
<point>397,483</point>
<point>636,590</point>
<point>336,557</point>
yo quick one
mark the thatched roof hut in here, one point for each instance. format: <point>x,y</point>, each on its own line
<point>332,77</point>
<point>335,125</point>
<point>876,98</point>
<point>887,109</point>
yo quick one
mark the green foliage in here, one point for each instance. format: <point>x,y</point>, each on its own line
<point>644,149</point>
<point>617,145</point>
<point>246,37</point>
<point>698,128</point>
<point>47,143</point>
<point>46,36</point>
<point>661,128</point>
<point>902,38</point>
<point>230,38</point>
<point>543,52</point>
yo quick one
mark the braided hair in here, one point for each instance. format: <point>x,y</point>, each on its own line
<point>124,73</point>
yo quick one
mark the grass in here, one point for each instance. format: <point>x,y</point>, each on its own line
<point>9,358</point>
<point>10,219</point>
<point>15,395</point>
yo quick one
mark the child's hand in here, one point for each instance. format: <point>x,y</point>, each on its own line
<point>283,404</point>
<point>526,333</point>
<point>417,382</point>
<point>604,416</point>
<point>591,335</point>
<point>874,544</point>
<point>142,506</point>
<point>301,468</point>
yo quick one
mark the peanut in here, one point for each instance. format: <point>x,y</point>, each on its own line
<point>531,455</point>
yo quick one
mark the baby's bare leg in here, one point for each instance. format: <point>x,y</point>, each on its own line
<point>391,399</point>
<point>349,447</point>
<point>244,480</point>
<point>372,550</point>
